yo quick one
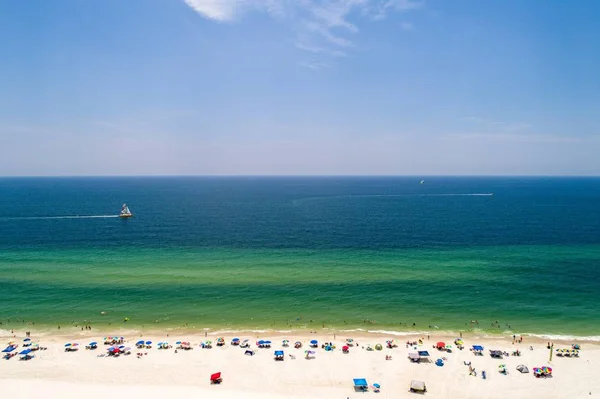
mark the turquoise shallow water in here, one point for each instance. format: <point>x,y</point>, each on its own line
<point>347,253</point>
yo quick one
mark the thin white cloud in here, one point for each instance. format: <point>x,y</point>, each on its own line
<point>315,66</point>
<point>321,26</point>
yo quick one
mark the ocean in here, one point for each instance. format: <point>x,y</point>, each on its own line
<point>283,253</point>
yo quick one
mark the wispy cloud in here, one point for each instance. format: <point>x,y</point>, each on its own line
<point>321,26</point>
<point>315,66</point>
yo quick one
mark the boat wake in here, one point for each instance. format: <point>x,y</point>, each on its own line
<point>358,196</point>
<point>60,217</point>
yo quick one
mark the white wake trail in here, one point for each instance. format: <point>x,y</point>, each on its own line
<point>61,217</point>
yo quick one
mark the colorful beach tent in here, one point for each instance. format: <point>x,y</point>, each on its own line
<point>360,383</point>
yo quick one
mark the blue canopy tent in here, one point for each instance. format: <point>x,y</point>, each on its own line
<point>423,353</point>
<point>279,355</point>
<point>478,348</point>
<point>25,352</point>
<point>9,349</point>
<point>360,384</point>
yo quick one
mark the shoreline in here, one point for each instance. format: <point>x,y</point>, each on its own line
<point>300,333</point>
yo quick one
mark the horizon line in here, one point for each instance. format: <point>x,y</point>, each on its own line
<point>294,176</point>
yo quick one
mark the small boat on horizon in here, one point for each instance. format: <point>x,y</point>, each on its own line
<point>125,212</point>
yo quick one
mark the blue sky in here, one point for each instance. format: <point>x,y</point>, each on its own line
<point>386,87</point>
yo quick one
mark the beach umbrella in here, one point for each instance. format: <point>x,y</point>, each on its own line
<point>235,340</point>
<point>378,347</point>
<point>349,340</point>
<point>121,347</point>
<point>93,343</point>
<point>285,341</point>
<point>267,342</point>
<point>261,342</point>
<point>298,343</point>
<point>215,376</point>
<point>440,344</point>
<point>314,342</point>
<point>376,386</point>
<point>68,345</point>
<point>25,352</point>
<point>9,349</point>
<point>345,347</point>
<point>148,342</point>
<point>27,340</point>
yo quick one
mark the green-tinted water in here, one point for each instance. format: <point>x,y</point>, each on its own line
<point>282,289</point>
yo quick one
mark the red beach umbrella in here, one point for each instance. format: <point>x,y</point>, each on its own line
<point>215,376</point>
<point>440,345</point>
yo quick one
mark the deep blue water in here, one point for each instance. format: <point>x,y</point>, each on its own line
<point>300,212</point>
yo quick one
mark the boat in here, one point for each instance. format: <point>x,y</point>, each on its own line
<point>125,212</point>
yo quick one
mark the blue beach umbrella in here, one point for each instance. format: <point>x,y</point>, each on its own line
<point>67,345</point>
<point>93,343</point>
<point>235,339</point>
<point>25,352</point>
<point>121,347</point>
<point>178,343</point>
<point>27,340</point>
<point>267,342</point>
<point>261,342</point>
<point>314,342</point>
<point>377,386</point>
<point>148,342</point>
<point>9,349</point>
<point>140,343</point>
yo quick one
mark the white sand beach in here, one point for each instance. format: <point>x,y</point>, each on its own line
<point>54,373</point>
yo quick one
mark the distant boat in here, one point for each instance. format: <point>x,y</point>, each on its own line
<point>422,181</point>
<point>125,212</point>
